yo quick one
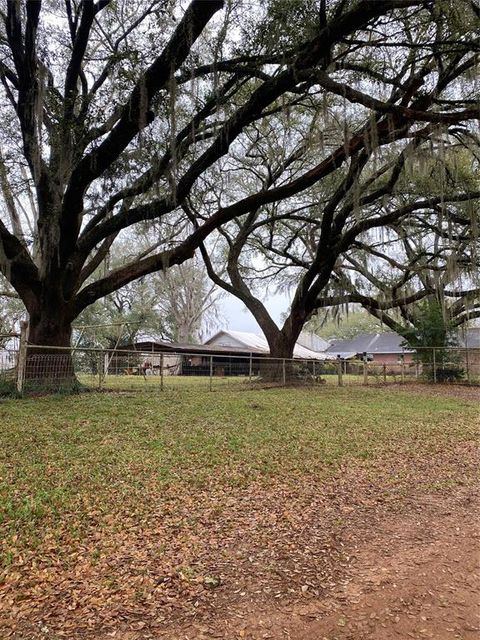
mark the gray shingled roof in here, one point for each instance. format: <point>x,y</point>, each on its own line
<point>390,342</point>
<point>370,342</point>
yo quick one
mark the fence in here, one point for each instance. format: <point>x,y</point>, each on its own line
<point>26,367</point>
<point>9,356</point>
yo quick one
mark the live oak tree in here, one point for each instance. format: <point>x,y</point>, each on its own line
<point>429,262</point>
<point>375,154</point>
<point>115,114</point>
<point>81,84</point>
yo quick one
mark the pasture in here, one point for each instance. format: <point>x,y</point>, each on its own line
<point>134,515</point>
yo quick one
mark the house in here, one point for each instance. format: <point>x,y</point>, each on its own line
<point>387,347</point>
<point>180,358</point>
<point>240,353</point>
<point>229,353</point>
<point>308,347</point>
<point>469,338</point>
<point>313,342</point>
<point>379,347</point>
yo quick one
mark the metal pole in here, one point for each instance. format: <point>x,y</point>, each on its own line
<point>284,373</point>
<point>365,371</point>
<point>384,373</point>
<point>101,367</point>
<point>403,368</point>
<point>250,369</point>
<point>467,365</point>
<point>22,355</point>
<point>161,372</point>
<point>314,373</point>
<point>434,367</point>
<point>211,372</point>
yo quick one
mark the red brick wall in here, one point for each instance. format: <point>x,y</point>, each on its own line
<point>392,358</point>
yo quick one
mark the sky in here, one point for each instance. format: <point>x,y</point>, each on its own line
<point>236,316</point>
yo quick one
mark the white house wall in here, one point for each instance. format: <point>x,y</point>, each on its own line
<point>225,340</point>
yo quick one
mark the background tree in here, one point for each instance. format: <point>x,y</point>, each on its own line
<point>11,312</point>
<point>434,337</point>
<point>188,301</point>
<point>120,318</point>
<point>180,305</point>
<point>346,323</point>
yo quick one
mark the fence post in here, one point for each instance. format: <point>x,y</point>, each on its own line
<point>434,366</point>
<point>100,368</point>
<point>161,372</point>
<point>250,368</point>
<point>284,374</point>
<point>385,373</point>
<point>211,372</point>
<point>340,371</point>
<point>314,372</point>
<point>402,365</point>
<point>467,365</point>
<point>22,355</point>
<point>365,371</point>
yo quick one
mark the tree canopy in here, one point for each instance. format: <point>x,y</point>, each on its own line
<point>290,126</point>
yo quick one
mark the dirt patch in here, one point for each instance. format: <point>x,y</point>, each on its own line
<point>416,577</point>
<point>463,391</point>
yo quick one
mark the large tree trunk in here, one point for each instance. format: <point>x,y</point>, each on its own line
<point>49,357</point>
<point>278,368</point>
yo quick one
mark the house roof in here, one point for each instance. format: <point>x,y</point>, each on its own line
<point>249,340</point>
<point>388,342</point>
<point>312,341</point>
<point>253,341</point>
<point>157,346</point>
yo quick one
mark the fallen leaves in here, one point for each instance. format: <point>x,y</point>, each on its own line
<point>129,553</point>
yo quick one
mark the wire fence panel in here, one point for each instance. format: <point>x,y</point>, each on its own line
<point>8,363</point>
<point>9,344</point>
<point>57,369</point>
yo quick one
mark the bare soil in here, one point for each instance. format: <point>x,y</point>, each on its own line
<point>463,391</point>
<point>416,576</point>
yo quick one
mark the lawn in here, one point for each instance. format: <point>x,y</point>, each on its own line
<point>85,477</point>
<point>59,453</point>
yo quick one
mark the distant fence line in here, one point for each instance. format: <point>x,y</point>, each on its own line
<point>25,366</point>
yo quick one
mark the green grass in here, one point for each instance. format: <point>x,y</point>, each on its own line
<point>65,460</point>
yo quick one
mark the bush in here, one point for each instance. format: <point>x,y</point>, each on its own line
<point>448,374</point>
<point>8,389</point>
